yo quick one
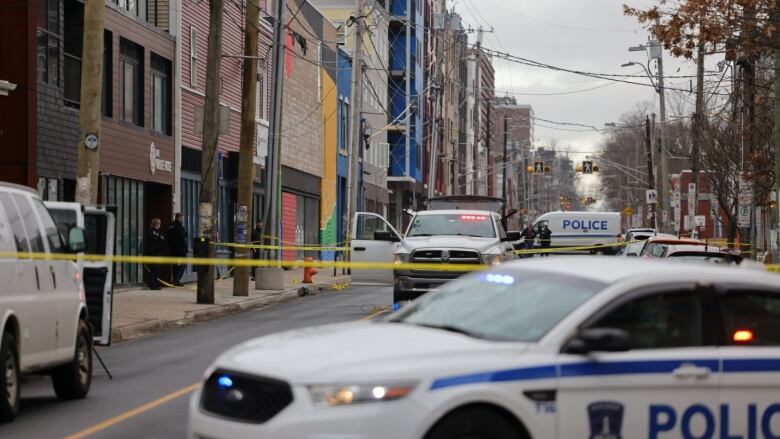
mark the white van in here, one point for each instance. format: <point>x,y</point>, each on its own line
<point>44,326</point>
<point>576,229</point>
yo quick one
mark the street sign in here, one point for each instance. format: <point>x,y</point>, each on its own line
<point>652,196</point>
<point>628,211</point>
<point>746,190</point>
<point>743,217</point>
<point>587,167</point>
<point>691,198</point>
<point>538,167</point>
<point>701,221</point>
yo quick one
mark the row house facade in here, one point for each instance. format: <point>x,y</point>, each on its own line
<point>40,119</point>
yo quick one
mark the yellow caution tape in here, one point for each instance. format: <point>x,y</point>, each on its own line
<point>571,249</point>
<point>280,247</point>
<point>248,262</point>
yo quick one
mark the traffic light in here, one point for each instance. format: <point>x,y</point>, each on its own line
<point>530,169</point>
<point>539,167</point>
<point>587,167</point>
<point>547,169</point>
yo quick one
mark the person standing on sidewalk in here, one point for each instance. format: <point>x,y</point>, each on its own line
<point>528,236</point>
<point>177,241</point>
<point>544,239</point>
<point>257,239</point>
<point>154,246</point>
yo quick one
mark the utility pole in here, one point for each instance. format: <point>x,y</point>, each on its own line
<point>273,164</point>
<point>357,102</point>
<point>776,16</point>
<point>663,200</point>
<point>89,114</point>
<point>650,178</point>
<point>208,190</point>
<point>435,126</point>
<point>246,165</point>
<point>504,167</point>
<point>697,136</point>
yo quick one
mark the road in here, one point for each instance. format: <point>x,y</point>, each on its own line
<point>153,377</point>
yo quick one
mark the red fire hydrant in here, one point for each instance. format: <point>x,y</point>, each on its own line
<point>308,272</point>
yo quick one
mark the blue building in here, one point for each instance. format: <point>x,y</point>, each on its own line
<point>343,87</point>
<point>406,35</point>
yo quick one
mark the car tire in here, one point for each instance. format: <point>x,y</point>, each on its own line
<point>476,423</point>
<point>72,380</point>
<point>9,378</point>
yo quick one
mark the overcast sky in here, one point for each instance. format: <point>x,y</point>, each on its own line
<point>586,35</point>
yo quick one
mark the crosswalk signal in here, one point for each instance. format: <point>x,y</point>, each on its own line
<point>539,168</point>
<point>587,167</point>
<point>595,168</point>
<point>547,169</point>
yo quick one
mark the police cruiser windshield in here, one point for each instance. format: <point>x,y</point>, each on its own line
<point>501,306</point>
<point>479,226</point>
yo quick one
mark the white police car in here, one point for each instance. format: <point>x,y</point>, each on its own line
<point>540,349</point>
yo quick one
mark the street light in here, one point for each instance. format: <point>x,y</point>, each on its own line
<point>647,71</point>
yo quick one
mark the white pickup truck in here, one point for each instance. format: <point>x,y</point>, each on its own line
<point>440,235</point>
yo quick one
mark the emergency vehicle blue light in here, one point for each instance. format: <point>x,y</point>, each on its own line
<point>225,381</point>
<point>500,279</point>
<point>396,306</point>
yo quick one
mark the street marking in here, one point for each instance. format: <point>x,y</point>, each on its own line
<point>133,413</point>
<point>158,402</point>
<point>374,314</point>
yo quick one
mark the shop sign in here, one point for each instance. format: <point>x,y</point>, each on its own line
<point>156,163</point>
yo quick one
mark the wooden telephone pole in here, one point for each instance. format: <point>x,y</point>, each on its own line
<point>246,165</point>
<point>208,190</point>
<point>89,114</point>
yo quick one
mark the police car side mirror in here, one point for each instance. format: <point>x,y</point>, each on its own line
<point>382,235</point>
<point>77,240</point>
<point>597,340</point>
<point>511,236</point>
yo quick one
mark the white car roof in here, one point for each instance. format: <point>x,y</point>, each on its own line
<point>608,269</point>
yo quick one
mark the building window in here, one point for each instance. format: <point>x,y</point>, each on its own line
<point>260,101</point>
<point>341,32</point>
<point>193,56</point>
<point>161,95</point>
<point>107,99</point>
<point>73,40</point>
<point>131,83</point>
<point>344,126</point>
<point>49,41</point>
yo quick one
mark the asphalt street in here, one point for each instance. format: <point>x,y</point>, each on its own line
<point>153,377</point>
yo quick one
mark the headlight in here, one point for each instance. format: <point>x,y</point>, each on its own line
<point>493,259</point>
<point>358,393</point>
<point>401,258</point>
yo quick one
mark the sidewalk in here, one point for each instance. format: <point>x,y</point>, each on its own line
<point>138,312</point>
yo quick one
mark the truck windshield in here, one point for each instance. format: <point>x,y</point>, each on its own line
<point>480,226</point>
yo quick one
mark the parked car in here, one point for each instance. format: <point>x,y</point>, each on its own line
<point>639,234</point>
<point>43,313</point>
<point>658,246</point>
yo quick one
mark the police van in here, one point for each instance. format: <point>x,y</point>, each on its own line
<point>549,348</point>
<point>576,229</point>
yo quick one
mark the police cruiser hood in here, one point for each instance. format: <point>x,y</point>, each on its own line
<point>364,351</point>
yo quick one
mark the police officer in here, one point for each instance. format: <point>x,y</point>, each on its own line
<point>544,239</point>
<point>154,246</point>
<point>177,241</point>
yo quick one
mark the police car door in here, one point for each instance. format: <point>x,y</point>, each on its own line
<point>365,248</point>
<point>750,387</point>
<point>664,386</point>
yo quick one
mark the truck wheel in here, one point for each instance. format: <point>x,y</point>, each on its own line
<point>72,380</point>
<point>9,378</point>
<point>475,423</point>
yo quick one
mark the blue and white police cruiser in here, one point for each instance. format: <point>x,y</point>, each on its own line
<point>555,348</point>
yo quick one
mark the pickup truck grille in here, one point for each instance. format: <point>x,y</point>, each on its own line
<point>443,256</point>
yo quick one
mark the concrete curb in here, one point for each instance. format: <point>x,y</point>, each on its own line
<point>156,326</point>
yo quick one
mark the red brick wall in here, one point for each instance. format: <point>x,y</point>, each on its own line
<point>289,218</point>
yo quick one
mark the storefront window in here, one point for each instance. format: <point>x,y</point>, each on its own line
<point>128,197</point>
